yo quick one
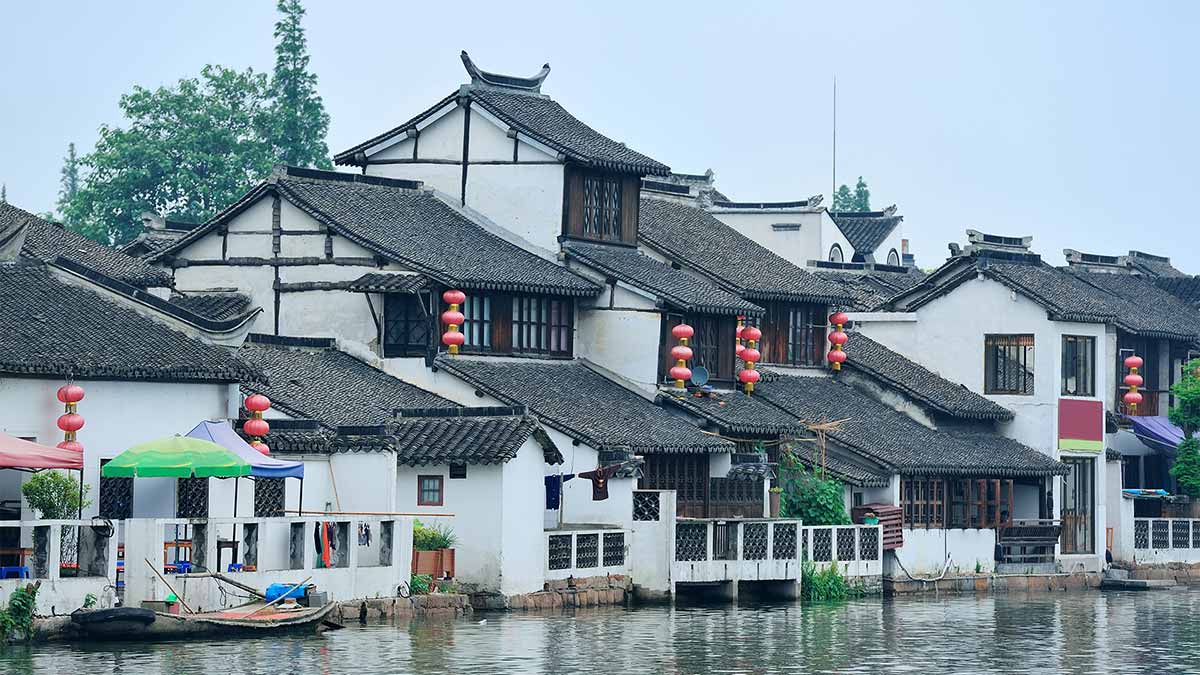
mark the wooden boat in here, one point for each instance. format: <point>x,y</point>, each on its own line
<point>250,620</point>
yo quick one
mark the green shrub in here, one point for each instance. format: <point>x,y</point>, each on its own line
<point>825,585</point>
<point>1186,415</point>
<point>1186,468</point>
<point>419,584</point>
<point>815,500</point>
<point>54,495</point>
<point>432,537</point>
<point>18,616</point>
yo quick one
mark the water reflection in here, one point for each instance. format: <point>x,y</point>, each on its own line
<point>1037,633</point>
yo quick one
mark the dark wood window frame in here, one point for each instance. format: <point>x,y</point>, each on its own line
<point>793,334</point>
<point>600,205</point>
<point>930,502</point>
<point>1009,363</point>
<point>542,324</point>
<point>712,344</point>
<point>406,325</point>
<point>423,491</point>
<point>1078,365</point>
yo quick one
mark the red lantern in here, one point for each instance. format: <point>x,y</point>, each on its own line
<point>70,445</point>
<point>680,373</point>
<point>256,427</point>
<point>837,357</point>
<point>1134,380</point>
<point>751,355</point>
<point>738,349</point>
<point>751,334</point>
<point>838,337</point>
<point>1132,398</point>
<point>257,403</point>
<point>839,318</point>
<point>749,377</point>
<point>70,393</point>
<point>683,331</point>
<point>681,353</point>
<point>70,422</point>
<point>261,447</point>
<point>453,338</point>
<point>1133,361</point>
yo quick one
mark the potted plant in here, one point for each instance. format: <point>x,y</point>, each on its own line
<point>869,518</point>
<point>433,550</point>
<point>774,497</point>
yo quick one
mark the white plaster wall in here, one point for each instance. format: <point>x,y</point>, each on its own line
<point>117,415</point>
<point>925,552</point>
<point>892,241</point>
<point>523,551</point>
<point>652,547</point>
<point>446,178</point>
<point>622,341</point>
<point>798,247</point>
<point>832,234</point>
<point>475,510</point>
<point>525,199</point>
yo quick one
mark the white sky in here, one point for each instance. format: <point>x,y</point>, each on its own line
<point>1073,123</point>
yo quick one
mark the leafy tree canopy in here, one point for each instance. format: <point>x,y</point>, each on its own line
<point>188,151</point>
<point>1186,415</point>
<point>298,117</point>
<point>815,499</point>
<point>54,495</point>
<point>858,199</point>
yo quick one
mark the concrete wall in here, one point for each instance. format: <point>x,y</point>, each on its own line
<point>796,246</point>
<point>652,549</point>
<point>925,552</point>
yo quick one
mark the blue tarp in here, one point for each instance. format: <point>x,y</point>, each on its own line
<point>261,465</point>
<point>1157,433</point>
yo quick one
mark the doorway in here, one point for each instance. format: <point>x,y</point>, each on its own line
<point>1078,506</point>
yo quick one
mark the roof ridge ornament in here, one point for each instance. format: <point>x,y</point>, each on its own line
<point>479,76</point>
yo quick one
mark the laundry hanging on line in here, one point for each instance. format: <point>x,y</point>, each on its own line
<point>554,490</point>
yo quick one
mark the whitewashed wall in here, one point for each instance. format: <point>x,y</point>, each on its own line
<point>924,553</point>
<point>797,246</point>
<point>117,415</point>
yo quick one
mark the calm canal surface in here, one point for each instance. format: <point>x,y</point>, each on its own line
<point>1067,632</point>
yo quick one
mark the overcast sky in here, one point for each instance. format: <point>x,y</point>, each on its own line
<point>1074,124</point>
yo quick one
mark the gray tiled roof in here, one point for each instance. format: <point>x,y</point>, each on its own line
<point>736,413</point>
<point>413,226</point>
<point>329,385</point>
<point>385,282</point>
<point>1143,307</point>
<point>695,238</point>
<point>541,118</point>
<point>865,230</point>
<point>49,327</point>
<point>46,241</point>
<point>215,306</point>
<point>1154,265</point>
<point>918,382</point>
<point>577,401</point>
<point>1184,288</point>
<point>467,439</point>
<point>893,439</point>
<point>846,471</point>
<point>675,287</point>
<point>869,290</point>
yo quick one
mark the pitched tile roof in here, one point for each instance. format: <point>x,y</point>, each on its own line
<point>1184,288</point>
<point>539,117</point>
<point>844,470</point>
<point>312,379</point>
<point>385,282</point>
<point>414,227</point>
<point>673,286</point>
<point>893,439</point>
<point>46,241</point>
<point>577,401</point>
<point>736,413</point>
<point>1130,302</point>
<point>870,289</point>
<point>1154,265</point>
<point>459,435</point>
<point>53,328</point>
<point>215,306</point>
<point>918,382</point>
<point>866,230</point>
<point>697,239</point>
<point>293,436</point>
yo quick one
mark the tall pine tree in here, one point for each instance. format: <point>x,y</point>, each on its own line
<point>4,193</point>
<point>298,115</point>
<point>843,199</point>
<point>68,184</point>
<point>862,196</point>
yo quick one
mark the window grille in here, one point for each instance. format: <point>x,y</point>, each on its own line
<point>1008,364</point>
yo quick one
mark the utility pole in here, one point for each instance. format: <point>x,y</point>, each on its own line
<point>833,187</point>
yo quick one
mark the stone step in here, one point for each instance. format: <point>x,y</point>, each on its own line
<point>1137,584</point>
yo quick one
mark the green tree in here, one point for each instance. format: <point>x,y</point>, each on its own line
<point>54,495</point>
<point>1186,415</point>
<point>69,183</point>
<point>299,120</point>
<point>815,499</point>
<point>843,199</point>
<point>862,196</point>
<point>188,151</point>
<point>3,193</point>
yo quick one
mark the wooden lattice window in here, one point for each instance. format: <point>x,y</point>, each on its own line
<point>923,501</point>
<point>405,325</point>
<point>1078,365</point>
<point>477,329</point>
<point>542,325</point>
<point>1008,364</point>
<point>430,491</point>
<point>602,207</point>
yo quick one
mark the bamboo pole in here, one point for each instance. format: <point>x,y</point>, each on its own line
<point>168,584</point>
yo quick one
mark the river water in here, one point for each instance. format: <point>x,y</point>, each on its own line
<point>1156,631</point>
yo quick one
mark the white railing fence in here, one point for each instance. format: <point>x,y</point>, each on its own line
<point>586,553</point>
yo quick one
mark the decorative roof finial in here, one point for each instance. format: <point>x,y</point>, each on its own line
<point>480,76</point>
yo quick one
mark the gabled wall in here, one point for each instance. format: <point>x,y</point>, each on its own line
<point>796,246</point>
<point>514,182</point>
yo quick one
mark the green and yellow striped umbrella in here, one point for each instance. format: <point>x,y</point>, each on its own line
<point>176,457</point>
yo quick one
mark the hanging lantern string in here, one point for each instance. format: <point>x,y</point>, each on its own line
<point>750,356</point>
<point>70,422</point>
<point>453,338</point>
<point>256,427</point>
<point>1133,380</point>
<point>682,353</point>
<point>837,338</point>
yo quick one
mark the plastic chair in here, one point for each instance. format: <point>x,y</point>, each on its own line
<point>14,572</point>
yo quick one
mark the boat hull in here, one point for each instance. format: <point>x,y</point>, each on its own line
<point>239,622</point>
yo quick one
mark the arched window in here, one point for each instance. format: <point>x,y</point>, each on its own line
<point>835,254</point>
<point>893,257</point>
